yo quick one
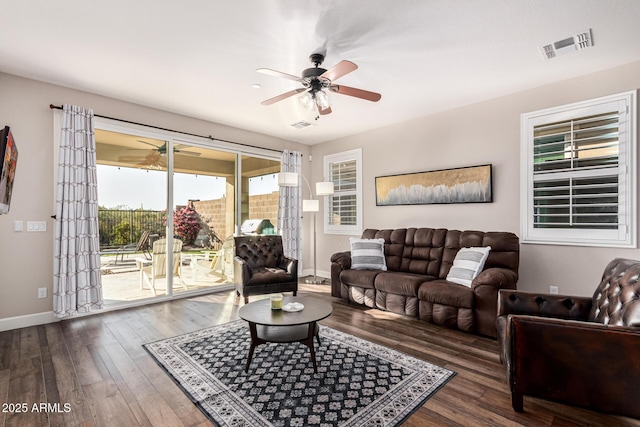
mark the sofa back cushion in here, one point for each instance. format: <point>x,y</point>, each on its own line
<point>431,251</point>
<point>616,300</point>
<point>260,251</point>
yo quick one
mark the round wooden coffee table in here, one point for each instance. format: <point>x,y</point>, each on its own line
<point>280,326</point>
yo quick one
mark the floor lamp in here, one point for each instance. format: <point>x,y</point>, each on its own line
<point>324,188</point>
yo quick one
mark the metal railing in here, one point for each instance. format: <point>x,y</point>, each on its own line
<point>124,227</point>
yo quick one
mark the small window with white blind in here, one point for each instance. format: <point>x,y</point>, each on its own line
<point>343,210</point>
<point>579,173</point>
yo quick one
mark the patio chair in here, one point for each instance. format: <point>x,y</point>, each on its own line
<point>156,268</point>
<point>142,246</point>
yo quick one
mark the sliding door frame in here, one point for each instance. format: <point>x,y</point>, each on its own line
<point>173,138</point>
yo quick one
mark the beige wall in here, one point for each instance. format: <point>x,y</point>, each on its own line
<point>26,259</point>
<point>487,132</point>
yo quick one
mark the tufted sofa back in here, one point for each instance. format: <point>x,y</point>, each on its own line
<point>616,301</point>
<point>431,251</point>
<point>260,251</point>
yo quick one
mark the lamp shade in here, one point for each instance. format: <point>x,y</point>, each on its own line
<point>288,179</point>
<point>310,206</point>
<point>324,188</point>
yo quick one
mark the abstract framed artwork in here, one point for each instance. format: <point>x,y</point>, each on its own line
<point>460,185</point>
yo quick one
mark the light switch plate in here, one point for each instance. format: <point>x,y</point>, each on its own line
<point>36,226</point>
<point>18,226</point>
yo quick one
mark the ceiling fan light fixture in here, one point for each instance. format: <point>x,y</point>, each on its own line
<point>322,100</point>
<point>307,100</point>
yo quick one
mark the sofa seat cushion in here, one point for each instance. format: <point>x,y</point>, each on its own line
<point>266,275</point>
<point>446,293</point>
<point>400,283</point>
<point>359,278</point>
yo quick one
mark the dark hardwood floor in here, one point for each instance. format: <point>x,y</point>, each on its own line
<point>92,371</point>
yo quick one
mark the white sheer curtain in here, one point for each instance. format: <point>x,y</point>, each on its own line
<point>76,284</point>
<point>289,208</point>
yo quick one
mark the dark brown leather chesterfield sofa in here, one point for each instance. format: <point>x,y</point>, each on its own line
<point>577,350</point>
<point>418,261</point>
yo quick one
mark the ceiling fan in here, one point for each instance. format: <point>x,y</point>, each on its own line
<point>155,157</point>
<point>316,80</point>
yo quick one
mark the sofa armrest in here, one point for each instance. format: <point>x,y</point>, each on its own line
<point>498,278</point>
<point>343,259</point>
<point>581,363</point>
<point>339,261</point>
<point>291,266</point>
<point>241,271</point>
<point>545,305</point>
<point>485,289</point>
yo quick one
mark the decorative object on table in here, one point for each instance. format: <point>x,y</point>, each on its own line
<point>323,188</point>
<point>358,382</point>
<point>293,307</point>
<point>460,185</point>
<point>276,301</point>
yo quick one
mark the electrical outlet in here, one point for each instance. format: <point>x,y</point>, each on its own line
<point>553,290</point>
<point>42,292</point>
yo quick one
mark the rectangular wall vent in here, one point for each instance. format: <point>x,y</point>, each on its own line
<point>571,44</point>
<point>301,125</point>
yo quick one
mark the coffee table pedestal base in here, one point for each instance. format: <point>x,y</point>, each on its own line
<point>261,334</point>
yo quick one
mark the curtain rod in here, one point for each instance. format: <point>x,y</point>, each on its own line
<point>59,107</point>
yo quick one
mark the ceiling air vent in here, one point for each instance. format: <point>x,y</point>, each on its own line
<point>568,45</point>
<point>301,125</point>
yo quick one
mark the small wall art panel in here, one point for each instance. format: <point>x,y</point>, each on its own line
<point>460,185</point>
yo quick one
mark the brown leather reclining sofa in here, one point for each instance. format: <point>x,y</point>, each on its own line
<point>418,261</point>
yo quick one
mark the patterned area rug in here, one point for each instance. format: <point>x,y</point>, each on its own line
<point>358,382</point>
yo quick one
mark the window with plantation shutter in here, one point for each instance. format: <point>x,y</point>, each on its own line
<point>343,210</point>
<point>579,173</point>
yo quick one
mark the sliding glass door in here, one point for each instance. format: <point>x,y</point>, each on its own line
<point>204,214</point>
<point>169,209</point>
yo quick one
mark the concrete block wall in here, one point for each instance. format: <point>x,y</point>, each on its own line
<point>214,212</point>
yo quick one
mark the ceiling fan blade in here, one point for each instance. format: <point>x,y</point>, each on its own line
<point>131,159</point>
<point>148,143</point>
<point>186,153</point>
<point>340,69</point>
<point>325,111</point>
<point>358,93</point>
<point>275,73</point>
<point>182,150</point>
<point>283,96</point>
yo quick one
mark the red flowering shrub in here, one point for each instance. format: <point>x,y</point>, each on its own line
<point>186,224</point>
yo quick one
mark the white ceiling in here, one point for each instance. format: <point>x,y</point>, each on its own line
<point>198,57</point>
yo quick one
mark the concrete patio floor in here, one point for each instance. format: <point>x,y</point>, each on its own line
<point>121,281</point>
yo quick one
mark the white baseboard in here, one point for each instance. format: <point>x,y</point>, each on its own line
<point>27,320</point>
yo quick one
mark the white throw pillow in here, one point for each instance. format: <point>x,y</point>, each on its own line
<point>467,264</point>
<point>367,254</point>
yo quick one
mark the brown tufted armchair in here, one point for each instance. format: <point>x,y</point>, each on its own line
<point>576,350</point>
<point>260,267</point>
